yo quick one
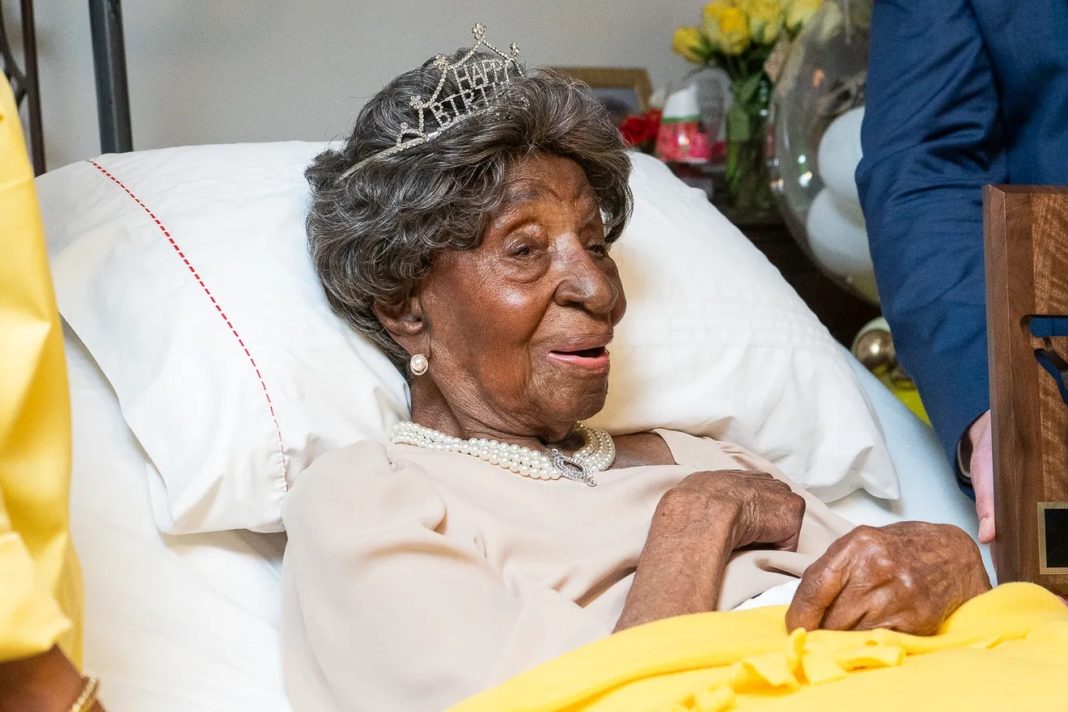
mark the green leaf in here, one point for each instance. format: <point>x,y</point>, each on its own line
<point>738,124</point>
<point>745,90</point>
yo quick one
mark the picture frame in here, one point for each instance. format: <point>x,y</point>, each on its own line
<point>623,90</point>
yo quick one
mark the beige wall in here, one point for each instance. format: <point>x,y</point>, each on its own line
<point>207,71</point>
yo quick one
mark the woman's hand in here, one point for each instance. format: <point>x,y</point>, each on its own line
<point>759,508</point>
<point>907,577</point>
<point>697,525</point>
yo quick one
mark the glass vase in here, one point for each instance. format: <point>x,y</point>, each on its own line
<point>748,188</point>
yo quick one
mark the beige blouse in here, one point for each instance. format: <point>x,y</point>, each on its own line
<point>414,578</point>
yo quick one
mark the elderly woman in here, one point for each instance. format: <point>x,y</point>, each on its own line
<point>466,228</point>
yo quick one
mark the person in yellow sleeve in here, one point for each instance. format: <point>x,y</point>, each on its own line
<point>40,583</point>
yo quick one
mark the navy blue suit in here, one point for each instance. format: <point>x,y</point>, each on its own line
<point>960,93</point>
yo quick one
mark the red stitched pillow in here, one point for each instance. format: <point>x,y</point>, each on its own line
<point>186,274</point>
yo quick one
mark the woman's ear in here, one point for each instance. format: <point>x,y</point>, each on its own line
<point>403,321</point>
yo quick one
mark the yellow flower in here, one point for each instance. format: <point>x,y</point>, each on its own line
<point>691,44</point>
<point>715,6</point>
<point>798,13</point>
<point>765,19</point>
<point>726,27</point>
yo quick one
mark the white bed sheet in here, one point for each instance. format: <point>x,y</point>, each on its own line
<point>190,624</point>
<point>173,624</point>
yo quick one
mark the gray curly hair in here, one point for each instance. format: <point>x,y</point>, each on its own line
<point>374,234</point>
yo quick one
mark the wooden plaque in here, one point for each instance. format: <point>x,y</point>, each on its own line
<point>1027,322</point>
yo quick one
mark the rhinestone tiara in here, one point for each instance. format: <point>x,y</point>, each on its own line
<point>479,81</point>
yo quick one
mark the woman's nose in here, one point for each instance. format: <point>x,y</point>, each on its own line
<point>587,282</point>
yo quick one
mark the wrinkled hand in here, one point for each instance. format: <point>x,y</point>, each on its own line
<point>697,525</point>
<point>908,577</point>
<point>759,508</point>
<point>982,473</point>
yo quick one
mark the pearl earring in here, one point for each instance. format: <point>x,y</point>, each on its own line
<point>418,364</point>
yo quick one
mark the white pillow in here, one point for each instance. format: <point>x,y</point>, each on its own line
<point>185,272</point>
<point>172,624</point>
<point>715,342</point>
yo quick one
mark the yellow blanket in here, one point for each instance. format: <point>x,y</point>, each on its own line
<point>1005,650</point>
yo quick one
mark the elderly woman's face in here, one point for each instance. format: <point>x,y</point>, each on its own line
<point>517,328</point>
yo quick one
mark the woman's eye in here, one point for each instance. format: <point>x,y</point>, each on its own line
<point>521,250</point>
<point>598,248</point>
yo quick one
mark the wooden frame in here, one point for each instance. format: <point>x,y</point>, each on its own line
<point>1027,277</point>
<point>615,83</point>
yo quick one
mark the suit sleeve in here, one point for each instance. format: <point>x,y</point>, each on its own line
<point>932,138</point>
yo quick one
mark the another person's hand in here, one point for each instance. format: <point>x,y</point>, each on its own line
<point>907,577</point>
<point>981,466</point>
<point>42,683</point>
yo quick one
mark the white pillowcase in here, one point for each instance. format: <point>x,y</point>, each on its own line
<point>172,624</point>
<point>715,342</point>
<point>185,272</point>
<point>230,368</point>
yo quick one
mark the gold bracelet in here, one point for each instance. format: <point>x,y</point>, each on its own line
<point>86,700</point>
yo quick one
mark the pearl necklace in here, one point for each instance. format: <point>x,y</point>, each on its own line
<point>596,454</point>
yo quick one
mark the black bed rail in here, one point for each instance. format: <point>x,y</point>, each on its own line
<point>25,82</point>
<point>109,61</point>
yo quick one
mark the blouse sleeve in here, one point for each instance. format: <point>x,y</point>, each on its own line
<point>385,611</point>
<point>39,582</point>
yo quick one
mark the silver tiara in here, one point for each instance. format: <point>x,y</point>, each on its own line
<point>479,82</point>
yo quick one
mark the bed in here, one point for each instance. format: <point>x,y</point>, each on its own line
<point>182,613</point>
<point>178,624</point>
<point>189,621</point>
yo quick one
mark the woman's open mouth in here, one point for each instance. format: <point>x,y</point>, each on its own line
<point>593,359</point>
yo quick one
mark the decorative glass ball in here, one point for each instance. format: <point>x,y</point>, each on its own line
<point>814,142</point>
<point>874,348</point>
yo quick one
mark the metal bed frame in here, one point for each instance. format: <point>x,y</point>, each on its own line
<point>109,63</point>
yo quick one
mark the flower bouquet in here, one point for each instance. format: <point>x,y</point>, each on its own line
<point>749,40</point>
<point>639,130</point>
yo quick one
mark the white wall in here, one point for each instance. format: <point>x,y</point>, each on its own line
<point>208,71</point>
